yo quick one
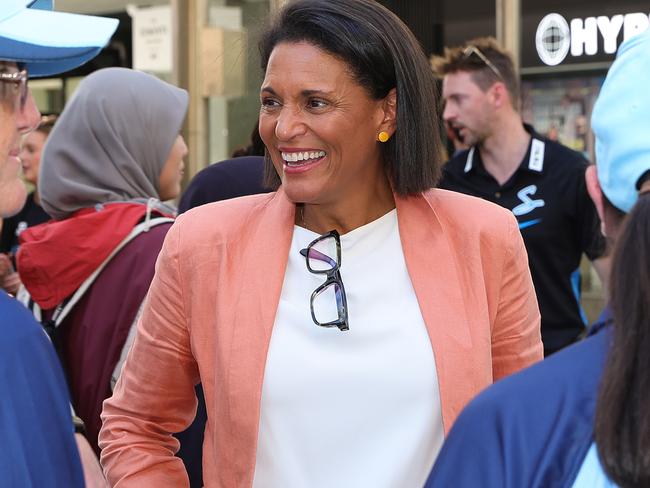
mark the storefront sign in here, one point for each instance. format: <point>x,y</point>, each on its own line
<point>556,38</point>
<point>152,38</point>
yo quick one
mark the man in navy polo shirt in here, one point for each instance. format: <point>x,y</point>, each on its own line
<point>541,181</point>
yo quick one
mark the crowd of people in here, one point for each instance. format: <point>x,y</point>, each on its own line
<point>332,306</point>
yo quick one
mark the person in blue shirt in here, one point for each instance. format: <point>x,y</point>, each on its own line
<point>581,418</point>
<point>39,445</point>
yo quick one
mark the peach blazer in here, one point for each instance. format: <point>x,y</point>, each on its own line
<point>211,308</point>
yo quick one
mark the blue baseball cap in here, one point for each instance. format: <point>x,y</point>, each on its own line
<point>48,42</point>
<point>621,123</point>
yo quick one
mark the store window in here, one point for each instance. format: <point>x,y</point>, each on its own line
<point>560,109</point>
<point>566,49</point>
<point>233,113</point>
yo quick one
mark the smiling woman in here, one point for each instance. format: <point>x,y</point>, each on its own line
<point>352,292</point>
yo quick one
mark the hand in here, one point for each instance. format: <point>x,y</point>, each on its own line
<point>5,265</point>
<point>11,282</point>
<point>93,475</point>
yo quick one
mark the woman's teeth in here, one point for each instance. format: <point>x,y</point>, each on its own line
<point>302,157</point>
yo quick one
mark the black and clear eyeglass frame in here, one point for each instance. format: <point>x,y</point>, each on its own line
<point>332,278</point>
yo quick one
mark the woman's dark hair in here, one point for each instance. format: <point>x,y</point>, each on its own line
<point>382,54</point>
<point>622,425</point>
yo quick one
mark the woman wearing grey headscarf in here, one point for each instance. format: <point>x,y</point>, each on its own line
<point>114,155</point>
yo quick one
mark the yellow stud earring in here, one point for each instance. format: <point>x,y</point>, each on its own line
<point>383,136</point>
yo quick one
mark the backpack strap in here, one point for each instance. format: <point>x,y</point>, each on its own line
<point>64,308</point>
<point>126,347</point>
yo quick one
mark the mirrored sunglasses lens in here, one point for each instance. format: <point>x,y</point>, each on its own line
<point>325,304</point>
<point>323,255</point>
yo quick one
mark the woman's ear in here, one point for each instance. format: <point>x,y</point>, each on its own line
<point>389,106</point>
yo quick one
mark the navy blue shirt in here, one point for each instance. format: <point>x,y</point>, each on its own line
<point>38,445</point>
<point>557,219</point>
<point>231,178</point>
<point>531,429</point>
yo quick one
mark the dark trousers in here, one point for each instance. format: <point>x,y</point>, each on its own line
<point>191,439</point>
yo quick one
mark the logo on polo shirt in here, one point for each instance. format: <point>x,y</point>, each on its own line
<point>528,204</point>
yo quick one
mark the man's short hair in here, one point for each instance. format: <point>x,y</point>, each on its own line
<point>485,61</point>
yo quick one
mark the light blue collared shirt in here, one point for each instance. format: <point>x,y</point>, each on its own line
<point>591,474</point>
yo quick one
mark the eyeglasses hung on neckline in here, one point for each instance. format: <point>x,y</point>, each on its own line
<point>323,256</point>
<point>19,79</point>
<point>469,50</point>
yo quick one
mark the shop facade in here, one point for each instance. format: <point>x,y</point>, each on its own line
<point>566,50</point>
<point>563,49</point>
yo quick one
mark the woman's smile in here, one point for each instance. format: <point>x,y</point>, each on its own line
<point>301,160</point>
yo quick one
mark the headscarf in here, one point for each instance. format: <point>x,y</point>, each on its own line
<point>111,141</point>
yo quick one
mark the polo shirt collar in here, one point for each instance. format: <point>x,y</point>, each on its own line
<point>534,155</point>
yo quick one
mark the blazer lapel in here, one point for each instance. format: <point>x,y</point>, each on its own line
<point>260,266</point>
<point>431,263</point>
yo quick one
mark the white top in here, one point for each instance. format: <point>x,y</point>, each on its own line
<point>356,408</point>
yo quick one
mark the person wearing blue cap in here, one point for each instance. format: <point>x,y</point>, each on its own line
<point>580,418</point>
<point>35,419</point>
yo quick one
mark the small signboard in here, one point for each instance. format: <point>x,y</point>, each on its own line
<point>152,38</point>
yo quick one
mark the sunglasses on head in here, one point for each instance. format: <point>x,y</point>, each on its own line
<point>469,50</point>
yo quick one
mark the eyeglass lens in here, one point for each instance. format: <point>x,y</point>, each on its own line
<point>23,92</point>
<point>327,302</point>
<point>17,83</point>
<point>323,255</point>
